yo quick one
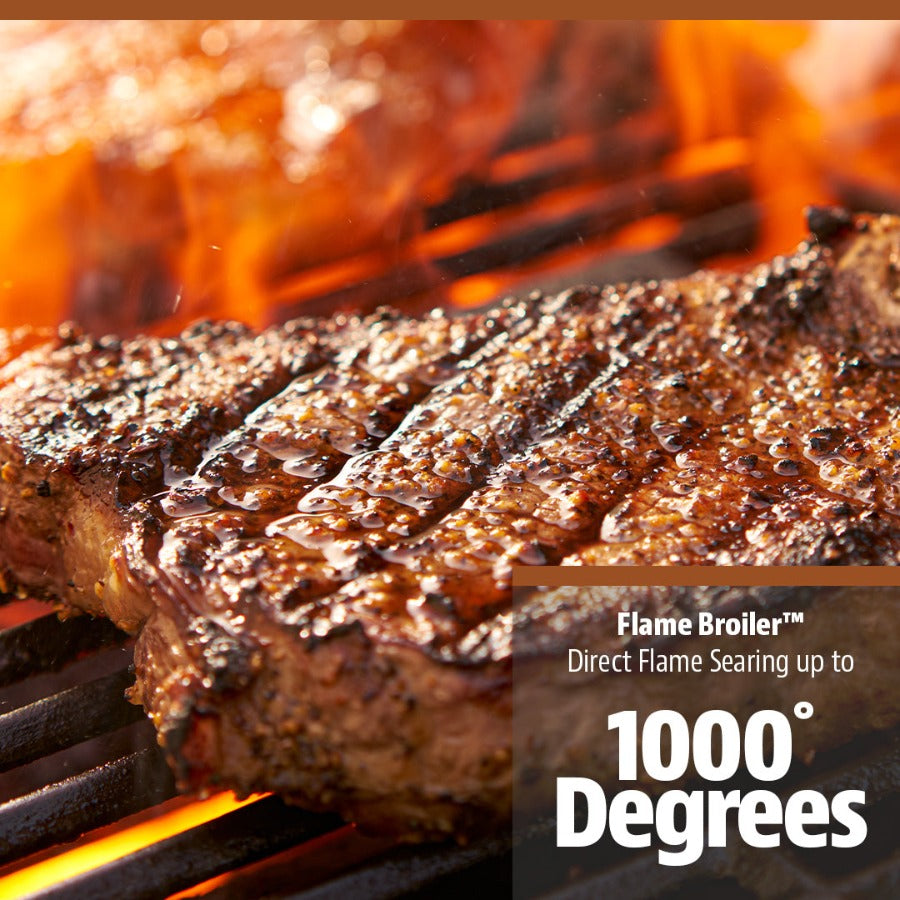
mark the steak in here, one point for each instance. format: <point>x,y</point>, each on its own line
<point>94,427</point>
<point>91,425</point>
<point>321,568</point>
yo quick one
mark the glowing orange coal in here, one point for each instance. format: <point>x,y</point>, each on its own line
<point>110,844</point>
<point>21,612</point>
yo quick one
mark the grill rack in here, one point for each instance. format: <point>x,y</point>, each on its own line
<point>67,807</point>
<point>250,843</point>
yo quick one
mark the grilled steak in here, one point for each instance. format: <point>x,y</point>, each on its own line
<point>92,428</point>
<point>329,588</point>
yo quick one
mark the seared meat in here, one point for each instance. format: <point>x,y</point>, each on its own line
<point>330,590</point>
<point>445,447</point>
<point>15,342</point>
<point>92,425</point>
<point>92,428</point>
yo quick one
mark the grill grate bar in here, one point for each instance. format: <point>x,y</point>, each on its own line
<point>630,880</point>
<point>66,809</point>
<point>610,208</point>
<point>47,644</point>
<point>409,871</point>
<point>67,718</point>
<point>236,839</point>
<point>871,763</point>
<point>625,151</point>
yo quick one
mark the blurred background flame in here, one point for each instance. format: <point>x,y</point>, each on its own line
<point>151,173</point>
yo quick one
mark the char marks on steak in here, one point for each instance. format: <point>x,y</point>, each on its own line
<point>328,574</point>
<point>444,448</point>
<point>91,425</point>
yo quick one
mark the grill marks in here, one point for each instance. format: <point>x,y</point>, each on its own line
<point>89,427</point>
<point>456,437</point>
<point>540,503</point>
<point>137,407</point>
<point>304,435</point>
<point>301,439</point>
<point>448,445</point>
<point>713,440</point>
<point>596,474</point>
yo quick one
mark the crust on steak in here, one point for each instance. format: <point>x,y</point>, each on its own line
<point>356,653</point>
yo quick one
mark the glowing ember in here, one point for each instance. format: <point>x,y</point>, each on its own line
<point>71,863</point>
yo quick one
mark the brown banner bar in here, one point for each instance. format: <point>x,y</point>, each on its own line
<point>577,9</point>
<point>727,576</point>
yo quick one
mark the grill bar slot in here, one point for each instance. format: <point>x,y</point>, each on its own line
<point>67,718</point>
<point>66,809</point>
<point>547,222</point>
<point>236,839</point>
<point>410,871</point>
<point>46,644</point>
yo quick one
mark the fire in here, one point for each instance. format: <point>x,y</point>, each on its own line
<point>174,818</point>
<point>156,244</point>
<point>167,170</point>
<point>731,80</point>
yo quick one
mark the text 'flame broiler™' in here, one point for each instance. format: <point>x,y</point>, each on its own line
<point>154,173</point>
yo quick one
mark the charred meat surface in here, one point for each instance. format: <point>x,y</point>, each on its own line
<point>328,579</point>
<point>94,428</point>
<point>92,425</point>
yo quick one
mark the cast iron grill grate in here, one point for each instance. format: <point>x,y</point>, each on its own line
<point>265,846</point>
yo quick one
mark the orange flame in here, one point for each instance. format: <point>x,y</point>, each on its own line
<point>121,842</point>
<point>153,169</point>
<point>177,240</point>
